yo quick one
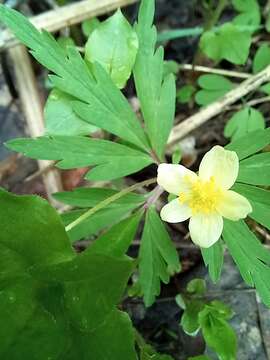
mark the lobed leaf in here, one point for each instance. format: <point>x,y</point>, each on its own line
<point>260,202</point>
<point>250,14</point>
<point>102,219</point>
<point>243,122</point>
<point>112,160</point>
<point>90,197</point>
<point>226,42</point>
<point>156,93</point>
<point>251,257</point>
<point>250,144</point>
<point>213,258</point>
<point>255,170</point>
<point>117,240</point>
<point>158,259</point>
<point>212,88</point>
<point>100,99</point>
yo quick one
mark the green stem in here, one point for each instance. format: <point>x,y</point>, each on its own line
<point>167,35</point>
<point>108,201</point>
<point>139,339</point>
<point>215,15</point>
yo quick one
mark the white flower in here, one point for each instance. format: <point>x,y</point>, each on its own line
<point>204,198</point>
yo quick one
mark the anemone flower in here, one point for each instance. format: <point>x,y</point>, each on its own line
<point>205,198</point>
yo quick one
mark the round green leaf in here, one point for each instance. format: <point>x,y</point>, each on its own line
<point>227,42</point>
<point>114,44</point>
<point>261,59</point>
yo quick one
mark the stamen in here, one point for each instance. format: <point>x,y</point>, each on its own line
<point>201,196</point>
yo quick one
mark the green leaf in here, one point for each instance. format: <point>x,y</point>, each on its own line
<point>89,25</point>
<point>176,156</point>
<point>156,94</point>
<point>251,257</point>
<point>180,301</point>
<point>244,121</point>
<point>22,246</point>
<point>64,42</point>
<point>158,258</point>
<point>250,14</point>
<point>147,353</point>
<point>114,45</point>
<point>102,219</point>
<point>190,317</point>
<point>267,22</point>
<point>116,327</point>
<point>255,170</point>
<point>213,87</point>
<point>226,42</point>
<point>265,88</point>
<point>184,94</point>
<point>90,197</point>
<point>213,258</point>
<point>221,310</point>
<point>57,304</point>
<point>199,357</point>
<point>197,287</point>
<point>218,334</point>
<point>250,144</point>
<point>100,99</point>
<point>261,59</point>
<point>60,119</point>
<point>260,202</point>
<point>113,160</point>
<point>90,293</point>
<point>170,67</point>
<point>117,240</point>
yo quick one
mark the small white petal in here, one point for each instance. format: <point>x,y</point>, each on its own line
<point>234,206</point>
<point>175,212</point>
<point>205,230</point>
<point>222,164</point>
<point>172,177</point>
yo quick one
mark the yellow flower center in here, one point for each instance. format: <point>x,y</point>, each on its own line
<point>202,196</point>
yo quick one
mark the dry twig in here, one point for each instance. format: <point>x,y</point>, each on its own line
<point>62,17</point>
<point>205,69</point>
<point>193,122</point>
<point>33,110</point>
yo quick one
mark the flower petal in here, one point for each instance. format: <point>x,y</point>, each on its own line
<point>205,230</point>
<point>222,164</point>
<point>175,212</point>
<point>234,206</point>
<point>172,177</point>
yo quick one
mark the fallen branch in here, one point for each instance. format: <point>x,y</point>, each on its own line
<point>61,17</point>
<point>193,122</point>
<point>33,110</point>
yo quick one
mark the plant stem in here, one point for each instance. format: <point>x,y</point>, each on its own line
<point>216,15</point>
<point>108,201</point>
<point>139,339</point>
<point>158,190</point>
<point>168,35</point>
<point>155,157</point>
